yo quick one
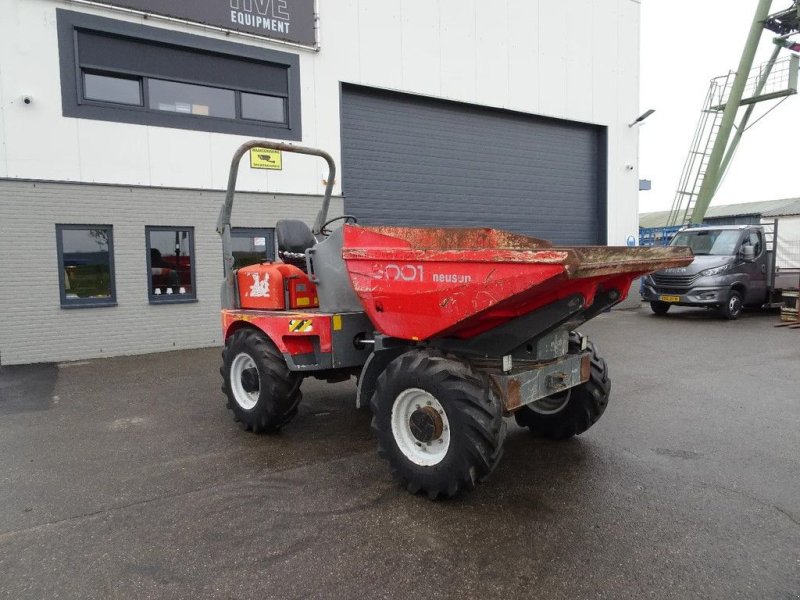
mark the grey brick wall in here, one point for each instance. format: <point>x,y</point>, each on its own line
<point>34,327</point>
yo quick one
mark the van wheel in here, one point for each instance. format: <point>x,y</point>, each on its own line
<point>660,308</point>
<point>733,307</point>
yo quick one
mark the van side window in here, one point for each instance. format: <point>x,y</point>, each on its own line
<point>753,239</point>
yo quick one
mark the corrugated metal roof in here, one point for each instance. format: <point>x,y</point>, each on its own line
<point>792,207</point>
<point>766,208</point>
<point>653,219</point>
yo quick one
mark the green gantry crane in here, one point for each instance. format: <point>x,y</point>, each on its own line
<point>715,141</point>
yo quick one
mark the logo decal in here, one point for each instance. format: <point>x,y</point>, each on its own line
<point>401,273</point>
<point>259,289</point>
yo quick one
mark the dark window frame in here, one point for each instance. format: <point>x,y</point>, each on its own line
<point>111,300</point>
<point>170,298</point>
<point>75,105</point>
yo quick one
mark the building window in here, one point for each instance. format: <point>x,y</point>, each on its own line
<point>117,71</point>
<point>170,264</point>
<point>86,265</point>
<point>109,88</point>
<point>263,108</point>
<point>252,245</point>
<point>191,99</point>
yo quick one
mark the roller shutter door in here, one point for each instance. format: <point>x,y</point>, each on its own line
<point>412,160</point>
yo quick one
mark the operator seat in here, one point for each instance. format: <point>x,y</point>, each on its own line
<point>294,238</point>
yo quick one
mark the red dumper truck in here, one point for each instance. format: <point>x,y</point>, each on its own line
<point>448,332</point>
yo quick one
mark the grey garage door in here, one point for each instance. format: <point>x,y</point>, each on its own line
<point>416,161</point>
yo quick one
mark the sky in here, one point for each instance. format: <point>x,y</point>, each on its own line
<point>684,43</point>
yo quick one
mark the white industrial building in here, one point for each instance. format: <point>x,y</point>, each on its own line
<point>118,119</point>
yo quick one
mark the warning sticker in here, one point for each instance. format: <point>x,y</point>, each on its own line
<point>301,325</point>
<point>264,158</point>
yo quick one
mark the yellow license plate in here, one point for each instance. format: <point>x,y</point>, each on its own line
<point>670,298</point>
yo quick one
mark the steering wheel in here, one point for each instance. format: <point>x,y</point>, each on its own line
<point>347,219</point>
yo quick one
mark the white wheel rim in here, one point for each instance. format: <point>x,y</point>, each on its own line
<point>247,400</point>
<point>422,453</point>
<point>733,305</point>
<point>550,405</point>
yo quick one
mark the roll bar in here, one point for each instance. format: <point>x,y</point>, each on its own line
<point>224,220</point>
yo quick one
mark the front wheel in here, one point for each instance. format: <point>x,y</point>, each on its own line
<point>660,308</point>
<point>572,411</point>
<point>733,307</point>
<point>437,423</point>
<point>262,392</point>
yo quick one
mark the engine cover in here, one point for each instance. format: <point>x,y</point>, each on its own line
<point>275,286</point>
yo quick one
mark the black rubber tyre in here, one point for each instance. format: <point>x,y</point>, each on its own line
<point>586,404</point>
<point>733,307</point>
<point>660,308</point>
<point>278,388</point>
<point>473,419</point>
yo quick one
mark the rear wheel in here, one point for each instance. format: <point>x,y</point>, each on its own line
<point>437,423</point>
<point>262,392</point>
<point>660,308</point>
<point>733,307</point>
<point>572,411</point>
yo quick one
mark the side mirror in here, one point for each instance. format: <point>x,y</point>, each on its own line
<point>748,253</point>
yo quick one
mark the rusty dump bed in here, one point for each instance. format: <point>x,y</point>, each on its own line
<point>419,283</point>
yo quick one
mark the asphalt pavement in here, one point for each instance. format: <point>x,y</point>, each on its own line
<point>127,478</point>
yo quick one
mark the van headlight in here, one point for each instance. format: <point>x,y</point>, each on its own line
<point>714,271</point>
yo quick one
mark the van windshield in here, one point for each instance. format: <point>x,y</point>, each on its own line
<point>719,242</point>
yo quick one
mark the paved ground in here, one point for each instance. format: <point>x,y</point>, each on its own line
<point>125,478</point>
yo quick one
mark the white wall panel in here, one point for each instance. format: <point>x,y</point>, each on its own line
<point>421,47</point>
<point>523,55</point>
<point>557,37</point>
<point>627,184</point>
<point>553,44</point>
<point>579,92</point>
<point>176,160</point>
<point>3,164</point>
<point>113,152</point>
<point>491,53</point>
<point>221,153</point>
<point>628,57</point>
<point>39,145</point>
<point>457,52</point>
<point>380,38</point>
<point>605,66</point>
<point>552,85</point>
<point>328,69</point>
<point>580,62</point>
<point>29,52</point>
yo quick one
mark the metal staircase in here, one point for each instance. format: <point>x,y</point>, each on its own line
<point>717,135</point>
<point>696,165</point>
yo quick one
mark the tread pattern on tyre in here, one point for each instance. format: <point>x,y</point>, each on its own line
<point>476,421</point>
<point>586,405</point>
<point>280,387</point>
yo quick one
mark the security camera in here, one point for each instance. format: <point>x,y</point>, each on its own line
<point>27,99</point>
